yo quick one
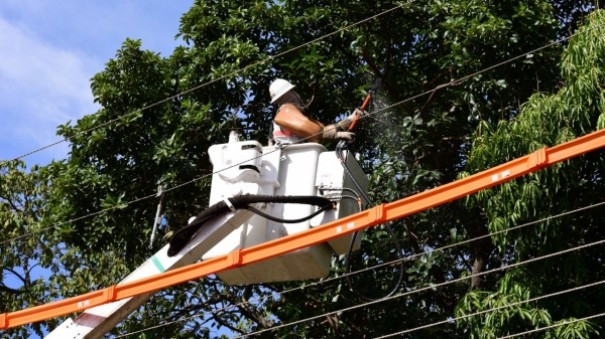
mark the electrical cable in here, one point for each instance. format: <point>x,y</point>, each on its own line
<point>451,83</point>
<point>229,75</point>
<point>539,329</point>
<point>92,214</point>
<point>446,247</point>
<point>464,78</point>
<point>416,96</point>
<point>346,196</point>
<point>55,225</point>
<point>488,235</point>
<point>408,258</point>
<point>349,268</point>
<point>432,286</point>
<point>157,326</point>
<point>348,189</point>
<point>342,153</point>
<point>563,323</point>
<point>470,315</point>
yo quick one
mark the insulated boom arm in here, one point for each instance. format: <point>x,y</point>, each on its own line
<point>96,321</point>
<point>356,222</point>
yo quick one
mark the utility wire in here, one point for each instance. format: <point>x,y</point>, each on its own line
<point>122,205</point>
<point>463,242</point>
<point>451,83</point>
<point>229,75</point>
<point>171,98</point>
<point>470,315</point>
<point>455,82</point>
<point>395,261</point>
<point>563,323</point>
<point>432,286</point>
<point>55,225</point>
<point>163,324</point>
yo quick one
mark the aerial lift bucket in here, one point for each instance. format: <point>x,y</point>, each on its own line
<point>245,167</point>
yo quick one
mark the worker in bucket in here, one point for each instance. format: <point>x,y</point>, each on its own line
<point>291,125</point>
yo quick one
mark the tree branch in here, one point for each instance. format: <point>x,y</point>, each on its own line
<point>25,282</point>
<point>4,288</point>
<point>480,250</point>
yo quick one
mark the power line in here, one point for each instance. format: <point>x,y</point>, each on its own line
<point>452,82</point>
<point>563,323</point>
<point>55,225</point>
<point>416,96</point>
<point>395,261</point>
<point>433,286</point>
<point>229,75</point>
<point>467,241</point>
<point>171,98</point>
<point>455,82</point>
<point>120,206</point>
<point>162,325</point>
<point>450,320</point>
<point>438,87</point>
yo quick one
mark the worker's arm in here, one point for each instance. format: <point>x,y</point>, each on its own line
<point>291,118</point>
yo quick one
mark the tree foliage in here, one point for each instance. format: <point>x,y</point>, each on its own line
<point>159,115</point>
<point>577,108</point>
<point>23,261</point>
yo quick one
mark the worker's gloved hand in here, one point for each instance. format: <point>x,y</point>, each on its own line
<point>360,113</point>
<point>335,132</point>
<point>345,124</point>
<point>346,136</point>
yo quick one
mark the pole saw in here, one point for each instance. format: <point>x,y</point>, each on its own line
<point>341,154</point>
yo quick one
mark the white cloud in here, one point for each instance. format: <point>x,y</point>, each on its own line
<point>41,87</point>
<point>48,53</point>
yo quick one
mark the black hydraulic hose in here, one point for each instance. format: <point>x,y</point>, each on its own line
<point>348,265</point>
<point>183,235</point>
<point>340,149</point>
<point>288,221</point>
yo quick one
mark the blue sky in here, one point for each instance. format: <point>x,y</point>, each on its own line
<point>49,50</point>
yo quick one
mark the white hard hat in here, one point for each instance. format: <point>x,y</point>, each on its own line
<point>278,88</point>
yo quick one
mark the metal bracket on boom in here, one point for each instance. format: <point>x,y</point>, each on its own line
<point>157,221</point>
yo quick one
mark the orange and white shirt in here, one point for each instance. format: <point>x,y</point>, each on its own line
<point>284,136</point>
<point>290,125</point>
